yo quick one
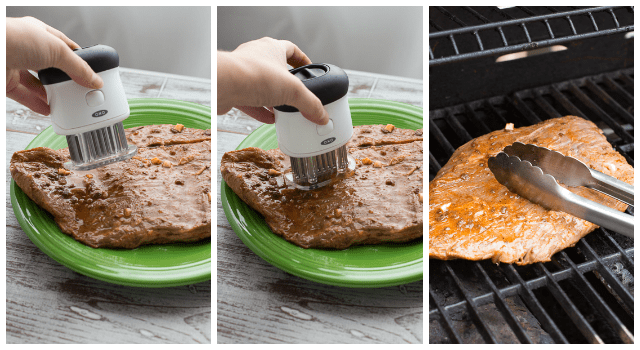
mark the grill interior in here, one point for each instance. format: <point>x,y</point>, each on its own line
<point>585,294</point>
<point>461,33</point>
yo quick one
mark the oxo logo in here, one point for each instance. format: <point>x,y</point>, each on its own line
<point>99,113</point>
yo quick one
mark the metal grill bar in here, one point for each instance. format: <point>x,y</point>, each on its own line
<point>540,101</point>
<point>485,20</point>
<point>626,79</point>
<point>535,306</point>
<point>600,113</point>
<point>484,331</point>
<point>446,319</point>
<point>595,300</point>
<point>431,23</point>
<point>609,101</point>
<point>551,40</point>
<point>476,120</point>
<point>442,140</point>
<point>451,16</point>
<point>623,294</point>
<point>611,84</point>
<point>453,42</point>
<point>433,162</point>
<point>532,284</point>
<point>593,20</point>
<point>566,103</point>
<point>495,112</point>
<point>613,242</point>
<point>573,28</point>
<point>570,308</point>
<point>531,117</point>
<point>511,318</point>
<point>518,21</point>
<point>615,19</point>
<point>523,47</point>
<point>459,129</point>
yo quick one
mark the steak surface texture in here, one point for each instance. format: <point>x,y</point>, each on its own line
<point>161,195</point>
<point>472,216</point>
<point>371,206</point>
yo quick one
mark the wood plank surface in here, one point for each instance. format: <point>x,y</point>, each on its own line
<point>49,303</point>
<point>259,303</point>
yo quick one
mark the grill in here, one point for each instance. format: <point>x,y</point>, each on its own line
<point>599,45</point>
<point>585,294</point>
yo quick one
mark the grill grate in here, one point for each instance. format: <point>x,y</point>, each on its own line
<point>460,33</point>
<point>585,294</point>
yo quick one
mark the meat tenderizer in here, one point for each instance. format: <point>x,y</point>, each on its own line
<point>318,153</point>
<point>91,119</point>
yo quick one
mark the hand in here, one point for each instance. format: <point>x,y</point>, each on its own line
<point>31,44</point>
<point>255,76</point>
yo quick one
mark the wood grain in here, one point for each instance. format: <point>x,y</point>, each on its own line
<point>49,303</point>
<point>259,303</point>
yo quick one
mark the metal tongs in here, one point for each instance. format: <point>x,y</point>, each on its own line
<point>532,171</point>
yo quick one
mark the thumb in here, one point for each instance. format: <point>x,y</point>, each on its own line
<point>307,103</point>
<point>77,69</point>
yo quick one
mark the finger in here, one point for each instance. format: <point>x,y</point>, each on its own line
<point>260,114</point>
<point>295,57</point>
<point>78,69</point>
<point>63,37</point>
<point>24,96</point>
<point>33,84</point>
<point>306,102</point>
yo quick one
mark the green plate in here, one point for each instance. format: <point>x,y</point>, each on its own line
<point>148,266</point>
<point>360,266</point>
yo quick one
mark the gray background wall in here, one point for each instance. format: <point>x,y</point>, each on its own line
<point>386,40</point>
<point>173,40</point>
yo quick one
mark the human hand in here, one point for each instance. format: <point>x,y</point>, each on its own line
<point>31,44</point>
<point>255,76</point>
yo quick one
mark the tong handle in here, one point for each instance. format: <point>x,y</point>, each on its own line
<point>613,187</point>
<point>598,214</point>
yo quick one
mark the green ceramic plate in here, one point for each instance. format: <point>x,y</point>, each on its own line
<point>148,266</point>
<point>359,266</point>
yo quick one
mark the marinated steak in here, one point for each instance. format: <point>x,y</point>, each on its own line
<point>162,195</point>
<point>472,216</point>
<point>165,135</point>
<point>380,202</point>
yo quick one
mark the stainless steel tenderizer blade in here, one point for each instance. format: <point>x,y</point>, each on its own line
<point>309,173</point>
<point>96,148</point>
<point>532,183</point>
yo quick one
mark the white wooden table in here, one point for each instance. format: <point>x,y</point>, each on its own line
<point>49,303</point>
<point>258,303</point>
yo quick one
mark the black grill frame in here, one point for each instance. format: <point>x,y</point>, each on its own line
<point>593,95</point>
<point>531,15</point>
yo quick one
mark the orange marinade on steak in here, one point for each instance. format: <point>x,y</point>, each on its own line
<point>381,202</point>
<point>162,195</point>
<point>472,216</point>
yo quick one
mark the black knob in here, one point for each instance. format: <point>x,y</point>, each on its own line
<point>330,83</point>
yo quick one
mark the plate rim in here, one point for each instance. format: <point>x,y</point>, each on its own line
<point>415,270</point>
<point>194,273</point>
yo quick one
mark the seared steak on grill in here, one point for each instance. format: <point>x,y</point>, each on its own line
<point>472,216</point>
